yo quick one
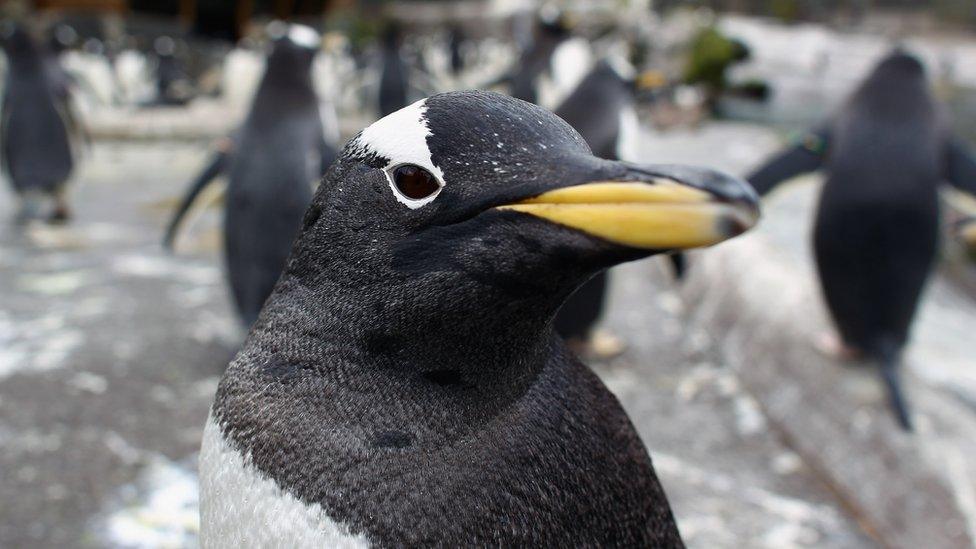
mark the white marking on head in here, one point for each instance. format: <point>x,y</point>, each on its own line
<point>304,36</point>
<point>401,137</point>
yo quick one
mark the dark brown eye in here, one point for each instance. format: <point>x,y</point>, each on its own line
<point>415,182</point>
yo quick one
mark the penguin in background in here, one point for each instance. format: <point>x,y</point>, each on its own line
<point>394,73</point>
<point>271,163</point>
<point>552,29</point>
<point>602,110</point>
<point>876,232</point>
<point>455,45</point>
<point>37,122</point>
<point>173,84</point>
<point>403,385</point>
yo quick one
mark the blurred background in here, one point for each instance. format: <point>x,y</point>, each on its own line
<point>112,345</point>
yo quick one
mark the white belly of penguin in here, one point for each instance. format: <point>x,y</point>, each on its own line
<point>241,507</point>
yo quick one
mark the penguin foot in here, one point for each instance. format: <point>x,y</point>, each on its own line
<point>832,346</point>
<point>60,215</point>
<point>600,346</point>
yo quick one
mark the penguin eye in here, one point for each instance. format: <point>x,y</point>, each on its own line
<point>415,182</point>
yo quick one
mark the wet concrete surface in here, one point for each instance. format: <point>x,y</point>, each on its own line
<point>110,350</point>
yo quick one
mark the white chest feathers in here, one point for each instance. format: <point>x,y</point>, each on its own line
<point>240,507</point>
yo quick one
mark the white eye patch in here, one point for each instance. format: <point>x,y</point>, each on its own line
<point>401,137</point>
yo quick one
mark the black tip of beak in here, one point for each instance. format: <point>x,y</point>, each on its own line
<point>723,188</point>
<point>732,226</point>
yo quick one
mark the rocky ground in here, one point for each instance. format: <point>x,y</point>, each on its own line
<point>111,348</point>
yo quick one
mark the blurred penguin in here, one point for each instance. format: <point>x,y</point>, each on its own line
<point>394,74</point>
<point>271,162</point>
<point>602,110</point>
<point>36,127</point>
<point>885,154</point>
<point>552,29</point>
<point>454,45</point>
<point>173,85</point>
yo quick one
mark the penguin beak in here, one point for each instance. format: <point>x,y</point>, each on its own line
<point>654,208</point>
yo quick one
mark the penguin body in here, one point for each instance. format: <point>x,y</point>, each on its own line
<point>34,128</point>
<point>879,208</point>
<point>536,60</point>
<point>271,162</point>
<point>598,109</point>
<point>876,229</point>
<point>394,77</point>
<point>173,84</point>
<point>403,385</point>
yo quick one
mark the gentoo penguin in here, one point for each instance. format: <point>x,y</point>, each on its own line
<point>601,109</point>
<point>877,222</point>
<point>173,86</point>
<point>551,30</point>
<point>394,77</point>
<point>36,123</point>
<point>272,162</point>
<point>403,385</point>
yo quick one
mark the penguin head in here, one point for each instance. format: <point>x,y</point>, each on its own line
<point>901,63</point>
<point>478,202</point>
<point>62,37</point>
<point>554,22</point>
<point>15,39</point>
<point>896,86</point>
<point>392,37</point>
<point>293,43</point>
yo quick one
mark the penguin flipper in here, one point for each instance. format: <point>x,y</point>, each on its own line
<point>961,166</point>
<point>805,156</point>
<point>219,163</point>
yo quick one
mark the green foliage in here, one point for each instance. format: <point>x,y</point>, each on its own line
<point>710,55</point>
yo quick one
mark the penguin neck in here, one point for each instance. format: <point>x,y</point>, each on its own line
<point>282,89</point>
<point>497,347</point>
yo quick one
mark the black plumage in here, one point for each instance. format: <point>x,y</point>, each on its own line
<point>405,375</point>
<point>876,231</point>
<point>455,46</point>
<point>271,162</point>
<point>394,73</point>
